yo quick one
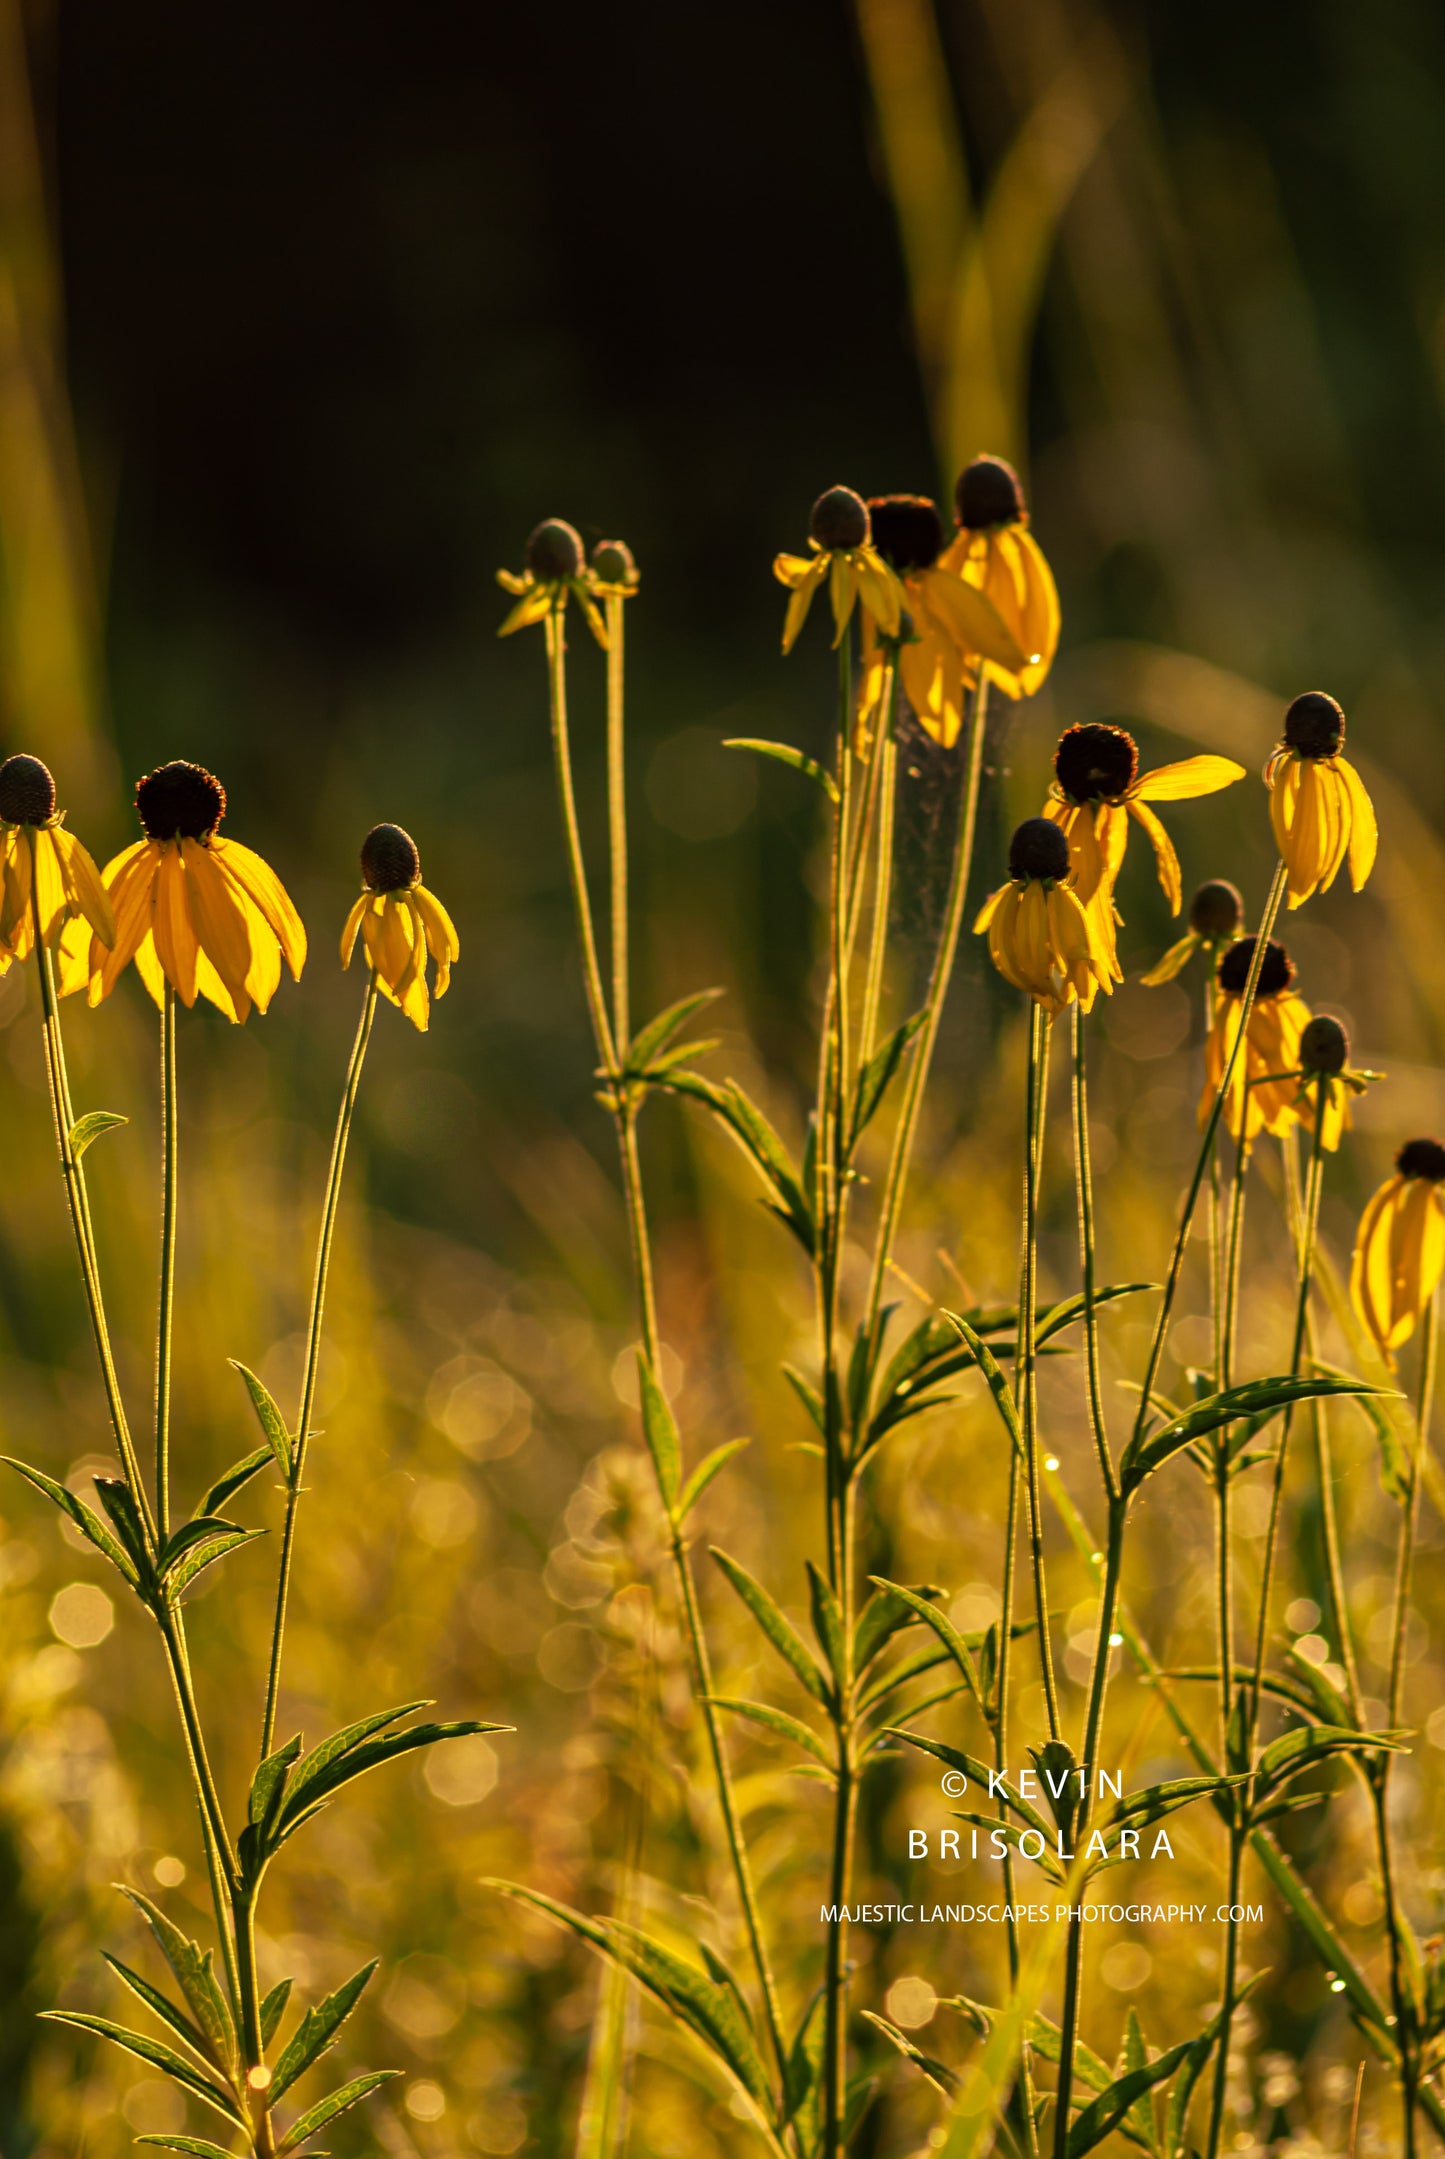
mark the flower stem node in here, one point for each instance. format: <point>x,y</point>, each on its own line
<point>988,493</point>
<point>1324,1047</point>
<point>389,860</point>
<point>839,520</point>
<point>554,551</point>
<point>1038,849</point>
<point>27,792</point>
<point>1216,911</point>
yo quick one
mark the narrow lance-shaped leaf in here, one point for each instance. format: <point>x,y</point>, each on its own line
<point>326,2110</point>
<point>703,1476</point>
<point>780,1724</point>
<point>998,1386</point>
<point>299,1805</point>
<point>317,2030</point>
<point>659,1032</point>
<point>151,2051</point>
<point>780,1631</point>
<point>784,754</point>
<point>273,2008</point>
<point>1143,1455</point>
<point>195,1978</point>
<point>161,2006</point>
<point>942,1626</point>
<point>659,1428</point>
<point>227,1486</point>
<point>206,1555</point>
<point>196,2145</point>
<point>878,1075</point>
<point>828,1626</point>
<point>270,1419</point>
<point>86,1521</point>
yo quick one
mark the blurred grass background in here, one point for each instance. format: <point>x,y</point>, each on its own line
<point>306,316</point>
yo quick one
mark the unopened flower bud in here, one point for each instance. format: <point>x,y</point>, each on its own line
<point>907,531</point>
<point>988,493</point>
<point>27,792</point>
<point>554,551</point>
<point>1096,762</point>
<point>389,860</point>
<point>1422,1158</point>
<point>1217,910</point>
<point>1038,849</point>
<point>612,562</point>
<point>1315,725</point>
<point>839,520</point>
<point>1275,976</point>
<point>1324,1046</point>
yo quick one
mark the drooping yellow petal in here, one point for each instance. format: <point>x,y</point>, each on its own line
<point>171,925</point>
<point>1164,856</point>
<point>84,887</point>
<point>1189,777</point>
<point>1371,1276</point>
<point>1364,831</point>
<point>256,878</point>
<point>842,592</point>
<point>1040,618</point>
<point>1173,962</point>
<point>129,879</point>
<point>532,606</point>
<point>804,587</point>
<point>15,899</point>
<point>441,934</point>
<point>218,916</point>
<point>967,616</point>
<point>351,926</point>
<point>879,589</point>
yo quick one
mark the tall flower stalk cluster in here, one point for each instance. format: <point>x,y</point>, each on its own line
<point>200,914</point>
<point>928,626</point>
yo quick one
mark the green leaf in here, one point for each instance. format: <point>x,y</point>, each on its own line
<point>317,2031</point>
<point>206,1555</point>
<point>711,2011</point>
<point>658,1032</point>
<point>301,1802</point>
<point>659,1427</point>
<point>878,1074</point>
<point>1395,1473</point>
<point>160,2006</point>
<point>1139,1809</point>
<point>937,2072</point>
<point>1294,1752</point>
<point>351,1735</point>
<point>229,1485</point>
<point>196,1980</point>
<point>808,1395</point>
<point>1107,2112</point>
<point>270,1419</point>
<point>828,1626</point>
<point>270,1780</point>
<point>942,1626</point>
<point>119,1503</point>
<point>89,1128</point>
<point>978,1773</point>
<point>273,2008</point>
<point>1135,2056</point>
<point>881,1618</point>
<point>86,1521</point>
<point>780,1724</point>
<point>158,2056</point>
<point>197,2145</point>
<point>785,754</point>
<point>1144,1455</point>
<point>753,1133</point>
<point>326,2110</point>
<point>998,1386</point>
<point>1064,1315</point>
<point>780,1631</point>
<point>703,1475</point>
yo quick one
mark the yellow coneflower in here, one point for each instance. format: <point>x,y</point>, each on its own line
<point>554,571</point>
<point>1098,788</point>
<point>193,909</point>
<point>841,538</point>
<point>1325,1072</point>
<point>995,552</point>
<point>953,624</point>
<point>1264,1087</point>
<point>1039,937</point>
<point>44,870</point>
<point>1400,1246</point>
<point>400,923</point>
<point>1216,917</point>
<point>1317,801</point>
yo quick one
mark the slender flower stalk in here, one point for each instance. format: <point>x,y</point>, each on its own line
<point>1026,1355</point>
<point>301,1437</point>
<point>623,1108</point>
<point>165,1317</point>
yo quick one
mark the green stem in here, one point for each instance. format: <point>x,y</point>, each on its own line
<point>624,1119</point>
<point>845,1810</point>
<point>885,752</point>
<point>1206,1146</point>
<point>165,1313</point>
<point>919,1064</point>
<point>1231,1978</point>
<point>302,1435</point>
<point>617,820</point>
<point>253,2049</point>
<point>832,1115</point>
<point>562,756</point>
<point>78,1199</point>
<point>1025,1359</point>
<point>220,1859</point>
<point>1000,1763</point>
<point>1085,1180</point>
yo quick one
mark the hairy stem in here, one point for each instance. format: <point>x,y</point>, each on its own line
<point>302,1435</point>
<point>165,1311</point>
<point>1025,1359</point>
<point>617,820</point>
